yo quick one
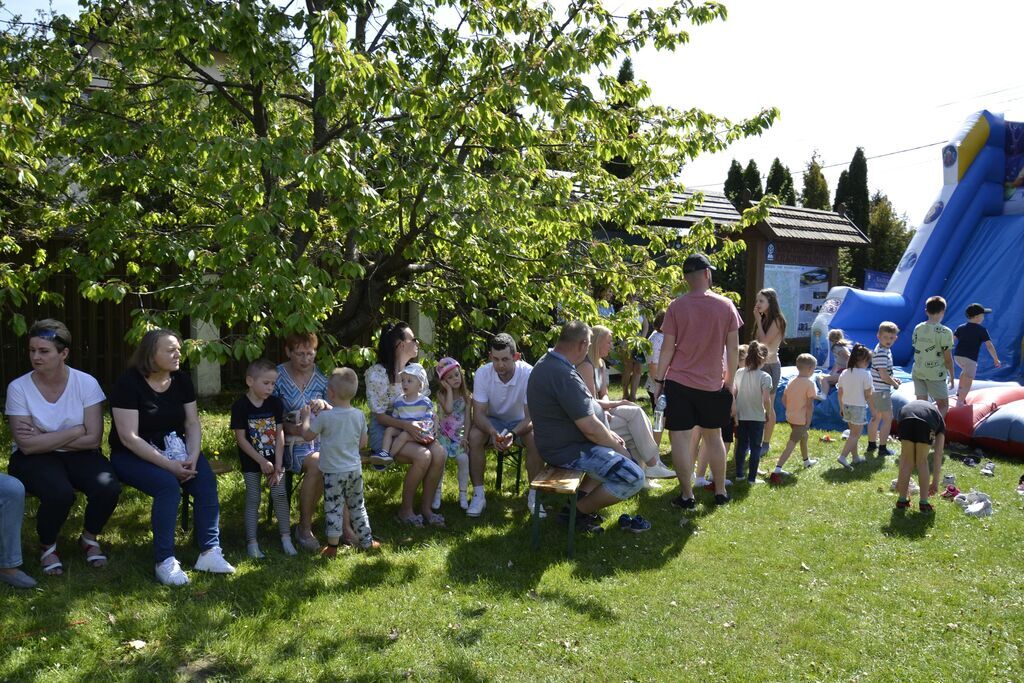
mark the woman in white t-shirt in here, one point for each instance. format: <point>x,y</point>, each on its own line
<point>56,417</point>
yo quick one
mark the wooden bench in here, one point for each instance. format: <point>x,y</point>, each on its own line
<point>562,481</point>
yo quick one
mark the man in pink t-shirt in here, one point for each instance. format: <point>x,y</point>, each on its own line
<point>695,371</point>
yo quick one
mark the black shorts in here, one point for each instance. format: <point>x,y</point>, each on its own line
<point>915,431</point>
<point>688,408</point>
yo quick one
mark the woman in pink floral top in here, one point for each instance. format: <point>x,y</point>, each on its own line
<point>398,346</point>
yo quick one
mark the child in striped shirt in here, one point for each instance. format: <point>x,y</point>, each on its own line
<point>412,406</point>
<point>882,384</point>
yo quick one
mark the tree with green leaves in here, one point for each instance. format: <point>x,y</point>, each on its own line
<point>734,184</point>
<point>889,234</point>
<point>780,183</point>
<point>618,166</point>
<point>272,167</point>
<point>858,208</point>
<point>841,203</point>
<point>815,192</point>
<point>752,181</point>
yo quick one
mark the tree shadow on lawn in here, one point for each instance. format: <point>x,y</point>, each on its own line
<point>179,625</point>
<point>909,524</point>
<point>861,472</point>
<point>507,562</point>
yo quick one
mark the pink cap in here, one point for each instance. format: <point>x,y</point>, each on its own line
<point>446,365</point>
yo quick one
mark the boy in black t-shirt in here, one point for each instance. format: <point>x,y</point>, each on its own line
<point>969,338</point>
<point>257,421</point>
<point>920,424</point>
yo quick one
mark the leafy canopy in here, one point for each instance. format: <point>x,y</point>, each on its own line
<point>273,167</point>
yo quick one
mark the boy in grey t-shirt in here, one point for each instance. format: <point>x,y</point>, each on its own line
<point>342,433</point>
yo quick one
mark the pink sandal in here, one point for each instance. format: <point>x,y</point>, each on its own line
<point>97,559</point>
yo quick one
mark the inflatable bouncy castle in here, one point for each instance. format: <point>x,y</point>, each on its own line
<point>969,248</point>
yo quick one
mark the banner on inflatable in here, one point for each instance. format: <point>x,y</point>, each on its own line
<point>875,280</point>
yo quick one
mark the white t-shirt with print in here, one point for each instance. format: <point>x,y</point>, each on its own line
<point>24,399</point>
<point>505,400</point>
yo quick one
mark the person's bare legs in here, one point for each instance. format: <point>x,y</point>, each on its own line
<point>682,459</point>
<point>943,405</point>
<point>477,448</point>
<point>923,473</point>
<point>712,439</point>
<point>769,426</point>
<point>310,493</point>
<point>419,460</point>
<point>432,477</point>
<point>534,464</point>
<point>906,466</point>
<point>966,380</point>
<point>597,498</point>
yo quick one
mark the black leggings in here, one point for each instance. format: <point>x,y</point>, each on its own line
<point>54,477</point>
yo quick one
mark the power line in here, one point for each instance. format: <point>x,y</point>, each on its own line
<point>844,163</point>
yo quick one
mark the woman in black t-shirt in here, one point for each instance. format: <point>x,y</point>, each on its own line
<point>155,447</point>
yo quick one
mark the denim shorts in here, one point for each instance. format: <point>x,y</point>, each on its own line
<point>855,415</point>
<point>502,425</point>
<point>883,401</point>
<point>621,476</point>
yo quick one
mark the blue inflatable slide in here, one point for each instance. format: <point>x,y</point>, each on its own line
<point>969,248</point>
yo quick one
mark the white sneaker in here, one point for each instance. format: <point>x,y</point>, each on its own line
<point>810,462</point>
<point>436,504</point>
<point>531,498</point>
<point>213,561</point>
<point>859,460</point>
<point>476,506</point>
<point>287,547</point>
<point>253,551</point>
<point>651,483</point>
<point>169,573</point>
<point>463,501</point>
<point>659,471</point>
<point>701,482</point>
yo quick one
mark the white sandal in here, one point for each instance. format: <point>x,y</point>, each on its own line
<point>54,568</point>
<point>91,560</point>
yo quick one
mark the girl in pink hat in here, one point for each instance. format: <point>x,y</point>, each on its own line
<point>453,400</point>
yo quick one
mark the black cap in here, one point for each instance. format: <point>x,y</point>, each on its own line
<point>977,309</point>
<point>696,262</point>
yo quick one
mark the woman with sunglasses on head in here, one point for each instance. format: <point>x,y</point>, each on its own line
<point>56,417</point>
<point>397,348</point>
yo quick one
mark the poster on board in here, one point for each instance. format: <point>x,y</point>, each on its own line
<point>802,291</point>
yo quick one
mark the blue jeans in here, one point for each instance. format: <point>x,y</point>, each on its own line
<point>748,438</point>
<point>165,490</point>
<point>621,476</point>
<point>12,510</point>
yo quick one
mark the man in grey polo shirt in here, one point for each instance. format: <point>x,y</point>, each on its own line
<point>570,430</point>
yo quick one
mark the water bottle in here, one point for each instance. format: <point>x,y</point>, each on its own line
<point>659,413</point>
<point>174,447</point>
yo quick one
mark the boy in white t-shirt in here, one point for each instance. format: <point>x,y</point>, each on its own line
<point>342,433</point>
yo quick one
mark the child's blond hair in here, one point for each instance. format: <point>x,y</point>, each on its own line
<point>888,327</point>
<point>344,383</point>
<point>837,336</point>
<point>806,361</point>
<point>756,355</point>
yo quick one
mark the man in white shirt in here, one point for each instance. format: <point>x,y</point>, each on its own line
<point>500,415</point>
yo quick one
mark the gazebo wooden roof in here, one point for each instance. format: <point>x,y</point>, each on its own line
<point>811,225</point>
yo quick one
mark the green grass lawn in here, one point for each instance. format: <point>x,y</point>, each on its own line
<point>816,580</point>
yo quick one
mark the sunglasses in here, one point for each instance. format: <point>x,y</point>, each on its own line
<point>51,336</point>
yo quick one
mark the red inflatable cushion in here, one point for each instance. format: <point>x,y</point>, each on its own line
<point>961,420</point>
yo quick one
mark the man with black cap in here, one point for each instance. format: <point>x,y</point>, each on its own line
<point>969,338</point>
<point>695,372</point>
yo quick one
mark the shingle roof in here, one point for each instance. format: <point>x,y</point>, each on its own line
<point>811,225</point>
<point>715,206</point>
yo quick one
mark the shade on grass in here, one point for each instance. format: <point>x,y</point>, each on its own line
<point>814,580</point>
